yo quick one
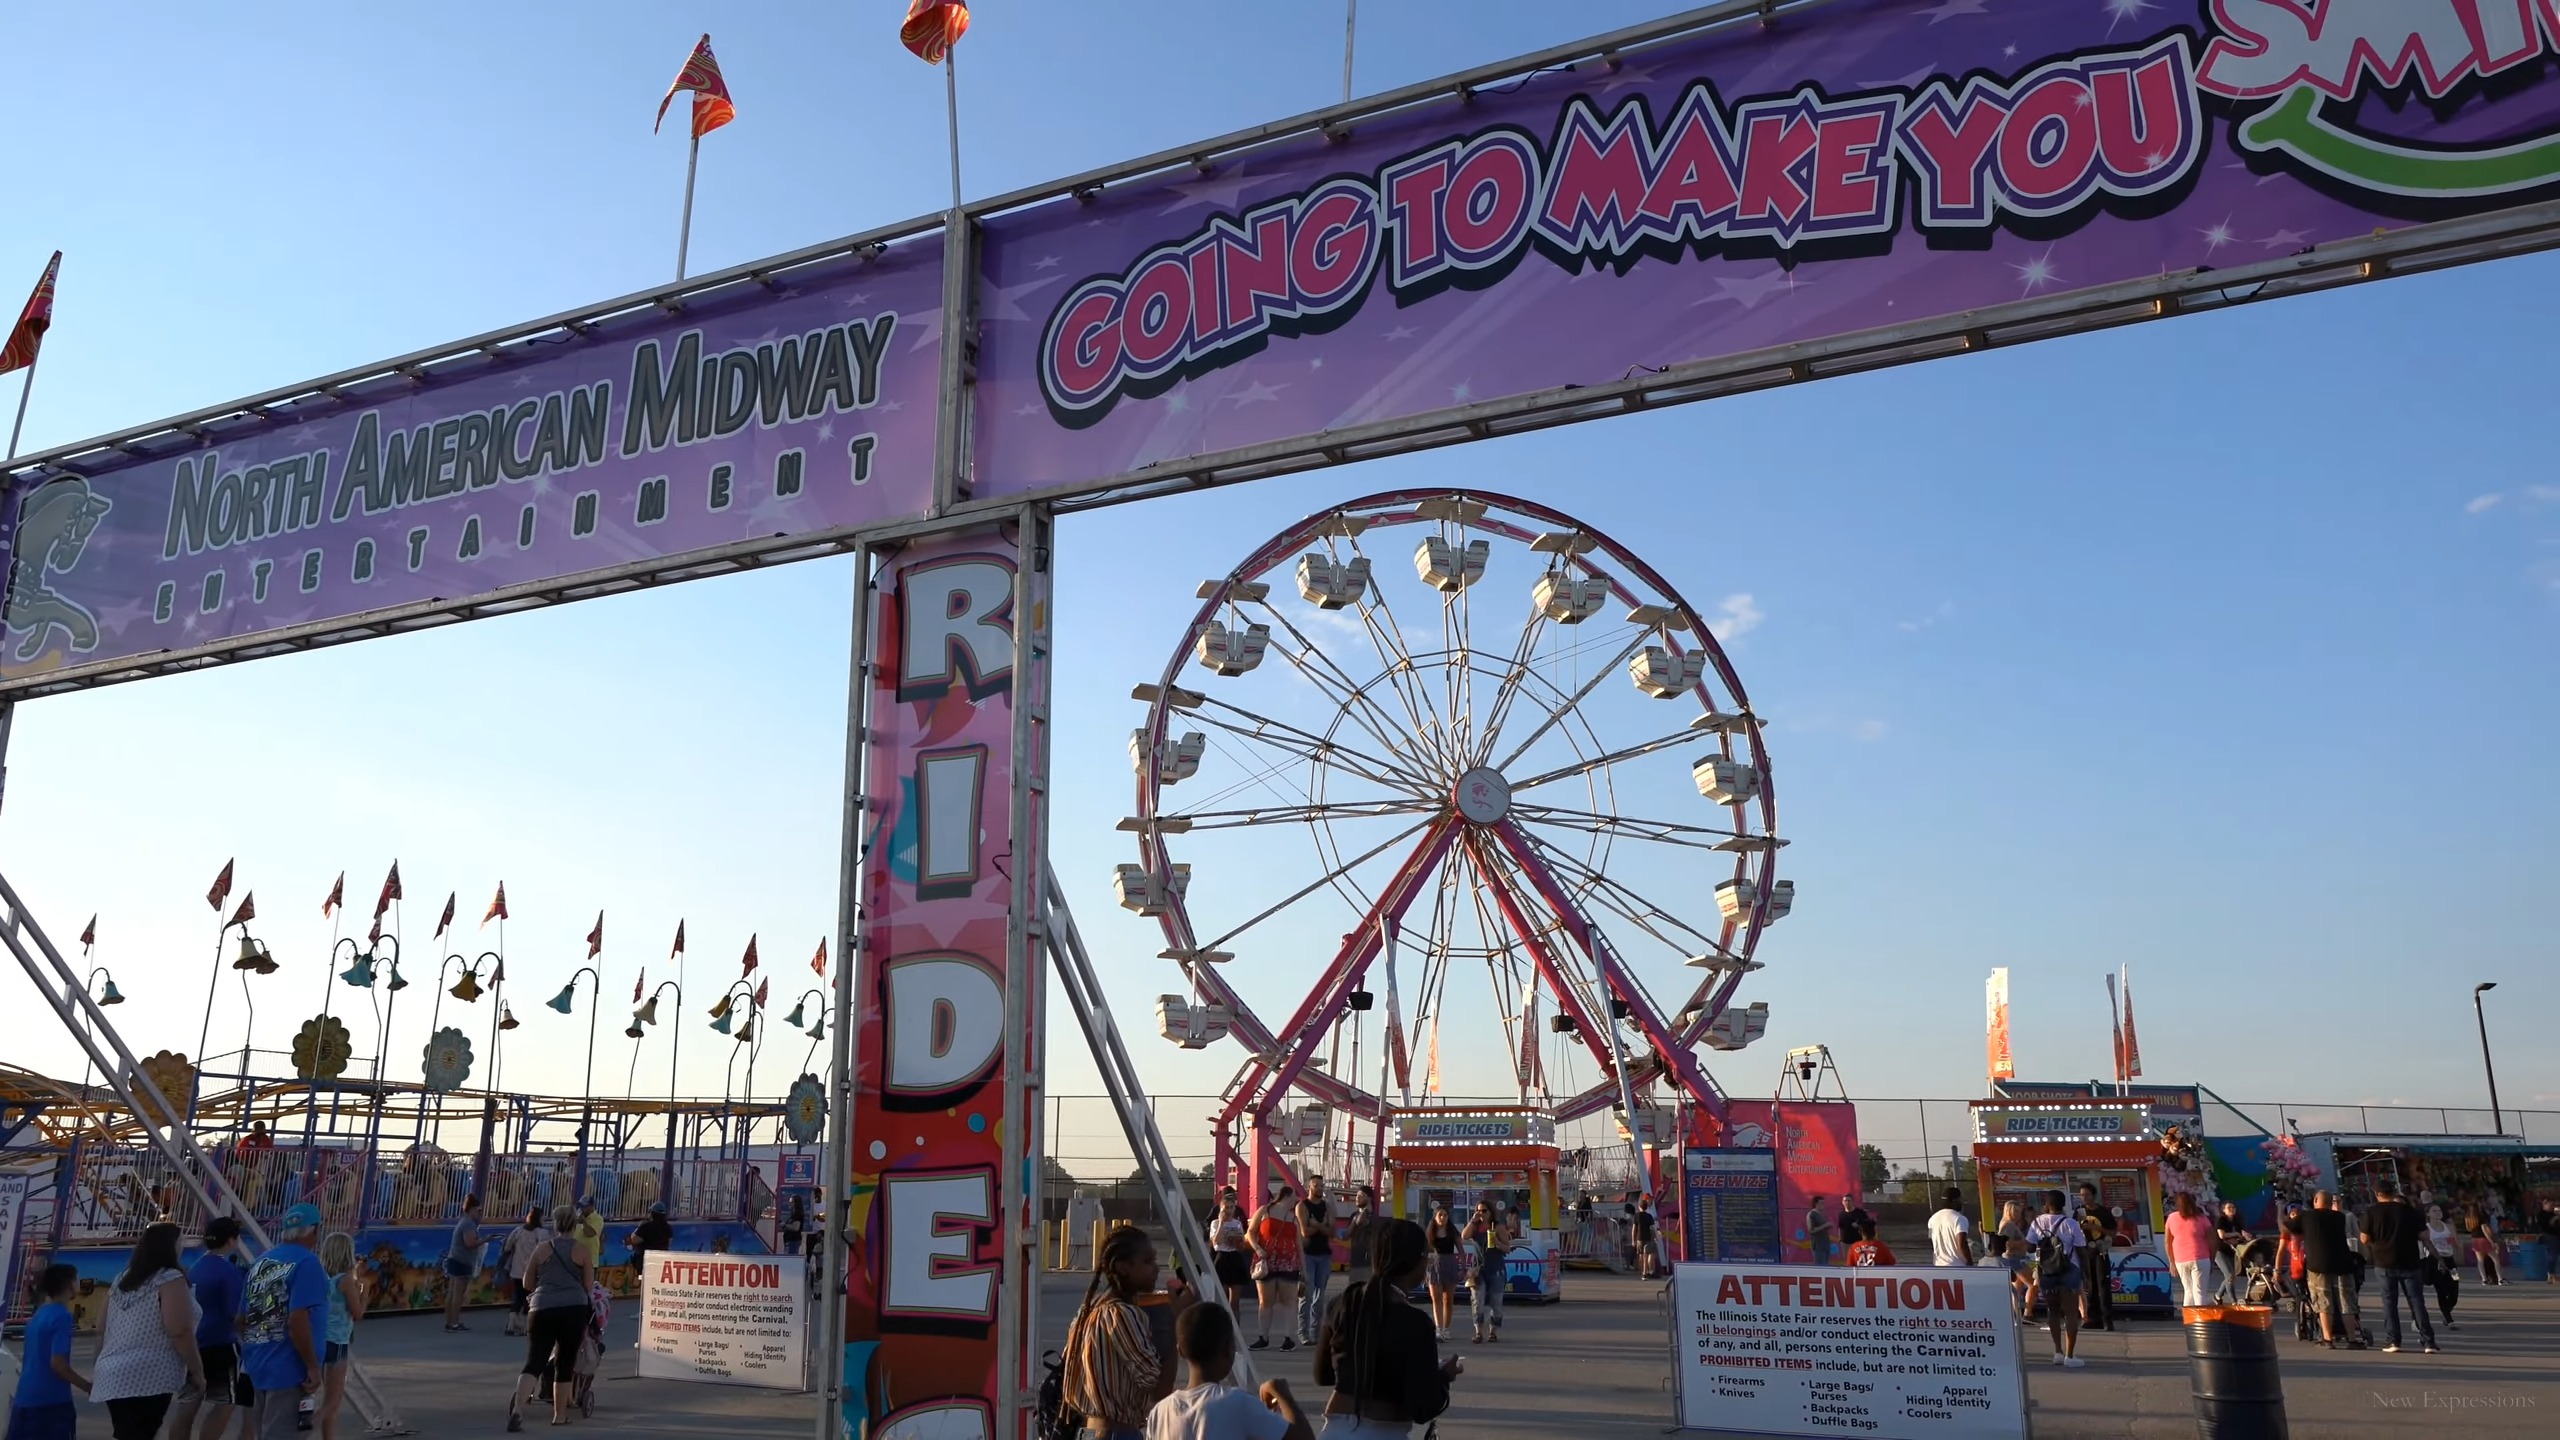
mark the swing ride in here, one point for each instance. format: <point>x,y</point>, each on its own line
<point>1569,796</point>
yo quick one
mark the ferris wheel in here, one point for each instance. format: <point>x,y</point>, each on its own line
<point>1469,752</point>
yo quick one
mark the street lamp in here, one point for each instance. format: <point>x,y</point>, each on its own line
<point>2496,1120</point>
<point>109,996</point>
<point>641,1019</point>
<point>566,1002</point>
<point>799,1019</point>
<point>250,950</point>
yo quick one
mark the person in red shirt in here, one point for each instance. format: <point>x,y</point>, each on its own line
<point>1864,1247</point>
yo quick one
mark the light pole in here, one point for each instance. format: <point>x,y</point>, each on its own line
<point>2497,1120</point>
<point>566,1002</point>
<point>466,989</point>
<point>212,984</point>
<point>798,1019</point>
<point>109,996</point>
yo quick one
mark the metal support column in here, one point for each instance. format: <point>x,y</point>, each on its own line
<point>835,1183</point>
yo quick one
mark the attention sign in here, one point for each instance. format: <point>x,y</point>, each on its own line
<point>726,1319</point>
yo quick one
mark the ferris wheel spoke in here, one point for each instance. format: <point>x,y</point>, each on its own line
<point>1663,831</point>
<point>1557,715</point>
<point>1626,903</point>
<point>1300,814</point>
<point>1314,750</point>
<point>1387,636</point>
<point>1508,689</point>
<point>1605,759</point>
<point>1340,872</point>
<point>1346,692</point>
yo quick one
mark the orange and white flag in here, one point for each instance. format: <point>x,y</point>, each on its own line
<point>932,27</point>
<point>712,107</point>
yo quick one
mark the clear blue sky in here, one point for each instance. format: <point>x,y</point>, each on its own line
<point>2200,647</point>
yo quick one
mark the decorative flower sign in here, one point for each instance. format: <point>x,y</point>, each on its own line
<point>448,1060</point>
<point>175,1076</point>
<point>804,1110</point>
<point>321,1049</point>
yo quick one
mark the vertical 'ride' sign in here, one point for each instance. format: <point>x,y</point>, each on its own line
<point>926,1212</point>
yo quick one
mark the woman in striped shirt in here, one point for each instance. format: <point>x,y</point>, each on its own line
<point>1113,1375</point>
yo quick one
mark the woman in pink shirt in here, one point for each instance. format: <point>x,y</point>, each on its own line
<point>2192,1242</point>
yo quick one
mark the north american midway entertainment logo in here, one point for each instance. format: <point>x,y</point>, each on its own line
<point>2050,145</point>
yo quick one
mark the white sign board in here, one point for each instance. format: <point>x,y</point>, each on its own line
<point>13,1201</point>
<point>1896,1352</point>
<point>725,1319</point>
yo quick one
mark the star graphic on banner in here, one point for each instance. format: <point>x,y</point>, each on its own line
<point>2008,52</point>
<point>826,429</point>
<point>302,435</point>
<point>542,482</point>
<point>2083,98</point>
<point>2284,240</point>
<point>1026,408</point>
<point>1176,403</point>
<point>1401,332</point>
<point>1256,393</point>
<point>2217,236</point>
<point>1462,391</point>
<point>2155,159</point>
<point>1001,305</point>
<point>2036,272</point>
<point>521,382</point>
<point>1316,364</point>
<point>1749,290</point>
<point>790,292</point>
<point>1950,9</point>
<point>1047,262</point>
<point>927,325</point>
<point>1627,75</point>
<point>1222,190</point>
<point>893,406</point>
<point>1907,82</point>
<point>858,297</point>
<point>2119,11</point>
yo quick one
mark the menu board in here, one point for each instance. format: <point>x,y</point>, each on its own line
<point>1729,1201</point>
<point>1898,1352</point>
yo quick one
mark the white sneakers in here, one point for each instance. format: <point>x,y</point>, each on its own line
<point>2069,1362</point>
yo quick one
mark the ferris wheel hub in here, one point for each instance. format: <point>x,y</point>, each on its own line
<point>1483,796</point>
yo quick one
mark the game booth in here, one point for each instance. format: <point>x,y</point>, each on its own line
<point>2023,1149</point>
<point>1505,1154</point>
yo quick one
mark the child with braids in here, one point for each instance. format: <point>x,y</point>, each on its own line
<point>1112,1373</point>
<point>1378,1352</point>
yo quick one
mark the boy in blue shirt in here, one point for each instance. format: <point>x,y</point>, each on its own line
<point>219,1279</point>
<point>44,1409</point>
<point>284,1315</point>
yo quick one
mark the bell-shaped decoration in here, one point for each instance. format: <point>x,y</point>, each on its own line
<point>798,1019</point>
<point>506,1016</point>
<point>646,1014</point>
<point>467,989</point>
<point>398,980</point>
<point>633,1030</point>
<point>747,1031</point>
<point>253,956</point>
<point>568,996</point>
<point>819,1030</point>
<point>721,1011</point>
<point>112,995</point>
<point>360,974</point>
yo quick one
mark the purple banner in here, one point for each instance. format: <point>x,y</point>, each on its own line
<point>776,412</point>
<point>1856,166</point>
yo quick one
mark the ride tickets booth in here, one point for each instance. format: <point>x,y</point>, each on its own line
<point>2023,1149</point>
<point>1506,1154</point>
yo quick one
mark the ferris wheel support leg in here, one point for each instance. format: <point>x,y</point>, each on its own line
<point>80,1015</point>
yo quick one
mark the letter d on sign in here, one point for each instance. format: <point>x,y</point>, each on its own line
<point>946,1023</point>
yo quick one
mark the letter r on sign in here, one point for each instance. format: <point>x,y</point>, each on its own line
<point>956,615</point>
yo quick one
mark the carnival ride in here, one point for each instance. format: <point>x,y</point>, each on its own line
<point>1533,793</point>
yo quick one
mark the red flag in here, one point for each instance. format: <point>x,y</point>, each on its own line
<point>89,936</point>
<point>27,336</point>
<point>679,945</point>
<point>595,937</point>
<point>390,891</point>
<point>819,963</point>
<point>374,936</point>
<point>639,984</point>
<point>444,921</point>
<point>749,966</point>
<point>221,890</point>
<point>761,987</point>
<point>248,910</point>
<point>497,907</point>
<point>933,27</point>
<point>2132,1047</point>
<point>701,75</point>
<point>337,896</point>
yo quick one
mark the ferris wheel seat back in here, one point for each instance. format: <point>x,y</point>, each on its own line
<point>1147,893</point>
<point>1738,1026</point>
<point>1665,676</point>
<point>1176,760</point>
<point>1232,652</point>
<point>1738,897</point>
<point>1331,586</point>
<point>1568,599</point>
<point>1193,1027</point>
<point>1450,568</point>
<point>1724,780</point>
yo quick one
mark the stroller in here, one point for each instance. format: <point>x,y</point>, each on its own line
<point>591,1348</point>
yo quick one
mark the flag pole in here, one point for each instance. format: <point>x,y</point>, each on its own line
<point>29,388</point>
<point>684,235</point>
<point>951,111</point>
<point>1350,33</point>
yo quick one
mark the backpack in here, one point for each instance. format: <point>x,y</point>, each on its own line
<point>1057,1419</point>
<point>2053,1258</point>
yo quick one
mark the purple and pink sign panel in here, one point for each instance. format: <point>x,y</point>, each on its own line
<point>1853,167</point>
<point>788,412</point>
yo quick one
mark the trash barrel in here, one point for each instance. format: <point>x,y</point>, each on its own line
<point>2231,1370</point>
<point>2529,1261</point>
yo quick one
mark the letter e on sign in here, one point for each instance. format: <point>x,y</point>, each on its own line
<point>941,1420</point>
<point>929,1223</point>
<point>957,616</point>
<point>945,1023</point>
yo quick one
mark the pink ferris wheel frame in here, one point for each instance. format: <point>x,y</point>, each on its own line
<point>1521,883</point>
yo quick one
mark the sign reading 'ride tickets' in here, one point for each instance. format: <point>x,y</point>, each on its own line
<point>1843,170</point>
